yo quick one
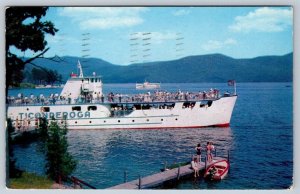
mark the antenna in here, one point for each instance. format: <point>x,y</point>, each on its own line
<point>80,69</point>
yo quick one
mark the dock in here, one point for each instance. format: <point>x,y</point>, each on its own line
<point>157,179</point>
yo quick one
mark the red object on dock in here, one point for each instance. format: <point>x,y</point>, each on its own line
<point>217,170</point>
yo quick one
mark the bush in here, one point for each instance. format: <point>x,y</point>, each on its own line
<point>59,163</point>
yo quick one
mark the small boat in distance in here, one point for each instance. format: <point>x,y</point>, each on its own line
<point>147,86</point>
<point>217,170</point>
<point>49,86</point>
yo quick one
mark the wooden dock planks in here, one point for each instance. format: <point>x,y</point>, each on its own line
<point>161,177</point>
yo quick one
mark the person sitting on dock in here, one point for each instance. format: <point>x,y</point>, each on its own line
<point>194,164</point>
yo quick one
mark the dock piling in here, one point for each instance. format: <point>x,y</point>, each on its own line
<point>228,159</point>
<point>178,173</point>
<point>125,176</point>
<point>140,182</point>
<point>228,156</point>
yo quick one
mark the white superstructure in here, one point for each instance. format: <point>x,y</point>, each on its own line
<point>82,105</point>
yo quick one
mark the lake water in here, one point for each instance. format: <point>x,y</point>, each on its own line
<point>260,141</point>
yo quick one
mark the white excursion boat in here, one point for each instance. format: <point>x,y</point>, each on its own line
<point>82,105</point>
<point>147,86</point>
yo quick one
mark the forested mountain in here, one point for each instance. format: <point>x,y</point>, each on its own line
<point>201,68</point>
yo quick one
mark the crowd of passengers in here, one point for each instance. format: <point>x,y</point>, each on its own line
<point>157,96</point>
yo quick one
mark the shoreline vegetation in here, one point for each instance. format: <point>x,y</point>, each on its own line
<point>25,85</point>
<point>59,163</point>
<point>30,181</point>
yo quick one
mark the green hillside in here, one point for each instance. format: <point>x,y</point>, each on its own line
<point>202,68</point>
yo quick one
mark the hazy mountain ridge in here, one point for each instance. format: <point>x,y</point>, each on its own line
<point>200,68</point>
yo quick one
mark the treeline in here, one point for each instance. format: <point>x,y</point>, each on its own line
<point>42,76</point>
<point>193,69</point>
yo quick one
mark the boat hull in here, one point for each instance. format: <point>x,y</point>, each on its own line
<point>221,170</point>
<point>100,116</point>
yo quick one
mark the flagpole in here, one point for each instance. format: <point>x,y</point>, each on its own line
<point>234,87</point>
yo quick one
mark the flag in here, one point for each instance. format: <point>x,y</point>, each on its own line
<point>231,82</point>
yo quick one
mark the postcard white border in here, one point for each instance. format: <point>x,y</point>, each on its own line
<point>296,82</point>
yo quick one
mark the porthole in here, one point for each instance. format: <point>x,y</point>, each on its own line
<point>147,120</point>
<point>176,119</point>
<point>104,121</point>
<point>118,121</point>
<point>162,119</point>
<point>133,121</point>
<point>75,122</point>
<point>90,121</point>
<point>27,109</point>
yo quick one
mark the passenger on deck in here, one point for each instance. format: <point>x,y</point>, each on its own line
<point>42,98</point>
<point>69,98</point>
<point>102,98</point>
<point>195,167</point>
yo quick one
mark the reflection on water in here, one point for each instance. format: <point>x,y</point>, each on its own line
<point>104,155</point>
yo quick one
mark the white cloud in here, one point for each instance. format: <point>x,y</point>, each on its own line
<point>104,17</point>
<point>110,22</point>
<point>181,12</point>
<point>263,20</point>
<point>212,45</point>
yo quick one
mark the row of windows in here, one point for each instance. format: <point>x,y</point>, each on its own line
<point>89,108</point>
<point>94,108</point>
<point>92,80</point>
<point>74,108</point>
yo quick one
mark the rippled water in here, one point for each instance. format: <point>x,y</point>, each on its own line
<point>260,141</point>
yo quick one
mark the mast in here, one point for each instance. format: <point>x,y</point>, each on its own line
<point>80,69</point>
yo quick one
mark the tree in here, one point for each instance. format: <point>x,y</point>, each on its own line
<point>45,75</point>
<point>13,171</point>
<point>59,163</point>
<point>43,128</point>
<point>38,75</point>
<point>52,76</point>
<point>25,30</point>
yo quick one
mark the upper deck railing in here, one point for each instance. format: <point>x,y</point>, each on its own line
<point>115,98</point>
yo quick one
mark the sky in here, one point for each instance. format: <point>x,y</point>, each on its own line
<point>126,35</point>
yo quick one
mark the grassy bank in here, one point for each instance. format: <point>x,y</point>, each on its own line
<point>30,181</point>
